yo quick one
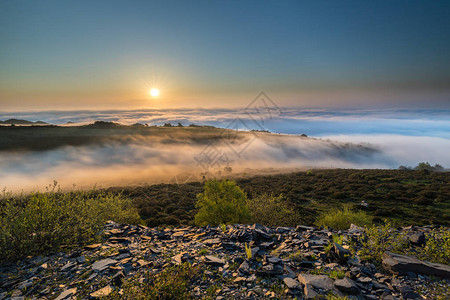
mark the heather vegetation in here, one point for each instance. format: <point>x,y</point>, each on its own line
<point>401,197</point>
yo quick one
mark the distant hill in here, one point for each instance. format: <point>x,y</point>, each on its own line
<point>22,122</point>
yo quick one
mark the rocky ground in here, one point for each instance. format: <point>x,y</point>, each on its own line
<point>284,263</point>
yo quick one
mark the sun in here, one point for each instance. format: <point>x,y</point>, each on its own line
<point>154,92</point>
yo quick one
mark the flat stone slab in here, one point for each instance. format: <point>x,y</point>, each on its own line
<point>402,264</point>
<point>347,285</point>
<point>215,261</point>
<point>292,283</point>
<point>211,241</point>
<point>103,264</point>
<point>103,292</point>
<point>66,294</point>
<point>318,281</point>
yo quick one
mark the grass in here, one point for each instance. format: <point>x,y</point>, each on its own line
<point>44,222</point>
<point>341,219</point>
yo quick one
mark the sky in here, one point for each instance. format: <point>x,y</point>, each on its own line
<point>204,54</point>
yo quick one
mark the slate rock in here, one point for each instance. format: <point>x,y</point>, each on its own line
<point>68,266</point>
<point>92,247</point>
<point>339,253</point>
<point>347,285</point>
<point>402,264</point>
<point>417,238</point>
<point>355,229</point>
<point>103,292</point>
<point>66,294</point>
<point>214,261</point>
<point>244,268</point>
<point>270,270</point>
<point>309,292</point>
<point>273,260</point>
<point>318,281</point>
<point>103,264</point>
<point>261,234</point>
<point>210,242</point>
<point>291,283</point>
<point>408,293</point>
<point>303,228</point>
<point>180,258</point>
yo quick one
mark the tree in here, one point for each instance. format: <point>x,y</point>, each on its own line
<point>222,202</point>
<point>424,166</point>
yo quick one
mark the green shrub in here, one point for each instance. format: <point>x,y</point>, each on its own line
<point>437,247</point>
<point>222,202</point>
<point>44,222</point>
<point>273,210</point>
<point>378,239</point>
<point>342,218</point>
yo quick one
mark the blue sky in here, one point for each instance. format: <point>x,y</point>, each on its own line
<point>85,54</point>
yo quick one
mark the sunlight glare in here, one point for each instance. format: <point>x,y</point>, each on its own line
<point>154,92</point>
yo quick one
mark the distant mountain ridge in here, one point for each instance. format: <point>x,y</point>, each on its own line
<point>22,122</point>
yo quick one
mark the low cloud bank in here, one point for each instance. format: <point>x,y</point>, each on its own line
<point>145,161</point>
<point>393,138</point>
<point>405,150</point>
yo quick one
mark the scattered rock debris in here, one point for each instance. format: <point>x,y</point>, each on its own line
<point>285,263</point>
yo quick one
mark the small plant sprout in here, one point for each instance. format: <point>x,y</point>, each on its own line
<point>248,251</point>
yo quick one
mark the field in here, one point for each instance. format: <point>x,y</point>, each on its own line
<point>402,197</point>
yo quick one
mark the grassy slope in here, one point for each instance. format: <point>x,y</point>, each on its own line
<point>403,197</point>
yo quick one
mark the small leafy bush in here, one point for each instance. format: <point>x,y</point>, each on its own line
<point>273,210</point>
<point>342,218</point>
<point>46,221</point>
<point>437,247</point>
<point>378,239</point>
<point>222,202</point>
